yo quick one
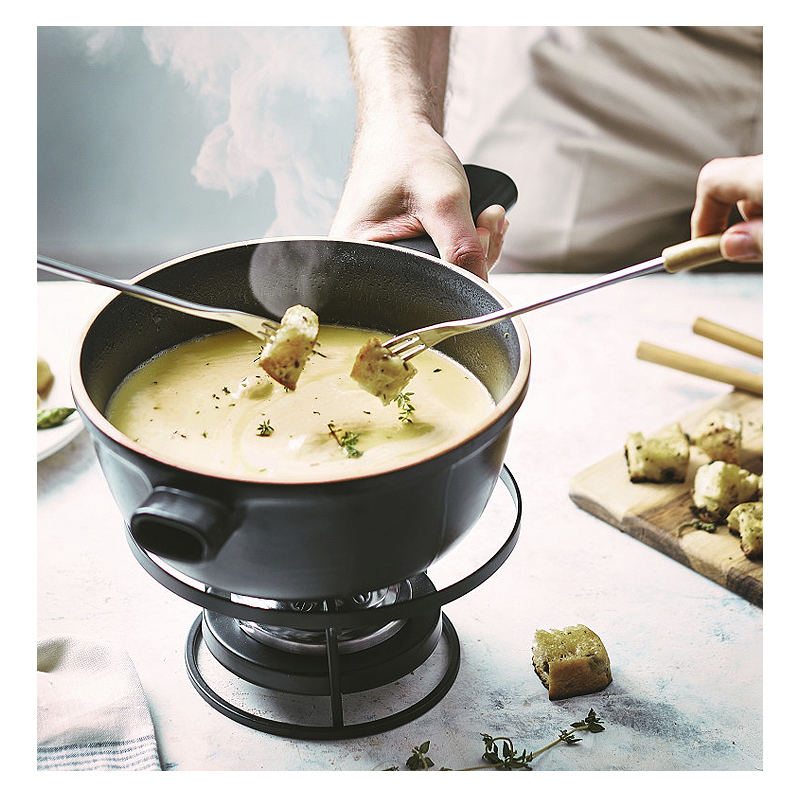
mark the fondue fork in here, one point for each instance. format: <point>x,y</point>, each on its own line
<point>686,255</point>
<point>259,327</point>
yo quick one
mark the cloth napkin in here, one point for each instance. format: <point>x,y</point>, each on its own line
<point>92,713</point>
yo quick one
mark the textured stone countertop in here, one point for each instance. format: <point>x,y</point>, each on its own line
<point>686,654</point>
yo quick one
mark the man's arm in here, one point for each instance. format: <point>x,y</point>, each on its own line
<point>400,72</point>
<point>404,179</point>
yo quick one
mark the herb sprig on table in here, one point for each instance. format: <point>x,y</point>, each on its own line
<point>500,753</point>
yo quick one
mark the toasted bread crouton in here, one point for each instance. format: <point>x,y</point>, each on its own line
<point>380,372</point>
<point>570,662</point>
<point>44,377</point>
<point>719,436</point>
<point>720,486</point>
<point>286,353</point>
<point>659,459</point>
<point>747,519</point>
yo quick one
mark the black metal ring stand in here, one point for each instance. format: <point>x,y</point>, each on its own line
<point>420,605</point>
<point>338,729</point>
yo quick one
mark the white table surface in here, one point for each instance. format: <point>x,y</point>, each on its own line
<point>686,653</point>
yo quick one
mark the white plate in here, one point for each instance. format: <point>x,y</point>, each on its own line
<point>51,440</point>
<point>63,309</point>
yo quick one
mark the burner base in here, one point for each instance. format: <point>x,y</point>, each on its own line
<point>308,673</point>
<point>340,679</point>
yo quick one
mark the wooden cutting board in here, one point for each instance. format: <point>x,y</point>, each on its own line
<point>655,513</point>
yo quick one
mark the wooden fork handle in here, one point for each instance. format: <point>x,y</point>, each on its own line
<point>693,253</point>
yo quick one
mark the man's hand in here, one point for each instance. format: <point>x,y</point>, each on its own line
<point>722,184</point>
<point>404,179</point>
<point>405,184</point>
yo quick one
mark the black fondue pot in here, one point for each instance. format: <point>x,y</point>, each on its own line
<point>303,539</point>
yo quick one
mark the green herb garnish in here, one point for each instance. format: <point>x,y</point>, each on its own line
<point>509,758</point>
<point>265,429</point>
<point>696,525</point>
<point>346,440</point>
<point>500,753</point>
<point>52,417</point>
<point>404,404</point>
<point>418,760</point>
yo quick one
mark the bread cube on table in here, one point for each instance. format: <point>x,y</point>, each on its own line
<point>661,459</point>
<point>719,436</point>
<point>719,487</point>
<point>747,519</point>
<point>570,662</point>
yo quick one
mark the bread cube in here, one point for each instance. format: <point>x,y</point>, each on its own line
<point>570,662</point>
<point>286,353</point>
<point>380,372</point>
<point>719,487</point>
<point>747,519</point>
<point>44,377</point>
<point>719,436</point>
<point>659,459</point>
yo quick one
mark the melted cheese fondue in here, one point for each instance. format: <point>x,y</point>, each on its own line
<point>206,404</point>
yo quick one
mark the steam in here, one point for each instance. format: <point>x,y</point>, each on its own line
<point>103,44</point>
<point>279,103</point>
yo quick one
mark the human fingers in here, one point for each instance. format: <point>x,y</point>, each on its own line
<point>492,225</point>
<point>744,242</point>
<point>750,210</point>
<point>446,217</point>
<point>722,184</point>
<point>461,243</point>
<point>375,214</point>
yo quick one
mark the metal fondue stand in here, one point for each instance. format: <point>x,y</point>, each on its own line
<point>317,648</point>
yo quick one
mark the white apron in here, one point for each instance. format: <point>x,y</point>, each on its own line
<point>604,130</point>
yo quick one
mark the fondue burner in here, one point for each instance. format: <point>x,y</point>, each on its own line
<point>256,660</point>
<point>349,640</point>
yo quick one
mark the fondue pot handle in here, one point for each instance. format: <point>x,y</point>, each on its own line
<point>180,525</point>
<point>487,187</point>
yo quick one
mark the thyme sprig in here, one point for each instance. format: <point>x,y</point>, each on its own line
<point>346,440</point>
<point>511,759</point>
<point>500,753</point>
<point>265,429</point>
<point>418,760</point>
<point>404,404</point>
<point>696,524</point>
